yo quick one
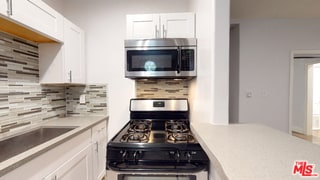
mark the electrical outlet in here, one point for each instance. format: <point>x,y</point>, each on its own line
<point>82,99</point>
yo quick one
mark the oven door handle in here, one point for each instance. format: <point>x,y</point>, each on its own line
<point>187,167</point>
<point>179,61</point>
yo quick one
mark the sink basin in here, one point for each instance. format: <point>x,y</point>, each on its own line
<point>20,143</point>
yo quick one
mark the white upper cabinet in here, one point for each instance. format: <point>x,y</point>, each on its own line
<point>142,26</point>
<point>178,25</point>
<point>74,53</point>
<point>3,7</point>
<point>170,25</point>
<point>64,63</point>
<point>34,15</point>
<point>39,16</point>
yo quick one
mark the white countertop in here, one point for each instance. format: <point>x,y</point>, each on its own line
<point>82,123</point>
<point>251,151</point>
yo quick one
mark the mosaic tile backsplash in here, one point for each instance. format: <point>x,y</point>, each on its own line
<point>24,101</point>
<point>95,100</point>
<point>162,88</point>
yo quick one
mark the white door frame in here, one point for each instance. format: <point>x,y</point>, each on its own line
<point>308,130</point>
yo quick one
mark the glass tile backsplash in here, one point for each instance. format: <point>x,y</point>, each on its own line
<point>162,88</point>
<point>24,101</point>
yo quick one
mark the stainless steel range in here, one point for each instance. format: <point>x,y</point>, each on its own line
<point>157,144</point>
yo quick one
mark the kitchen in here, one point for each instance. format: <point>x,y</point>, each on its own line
<point>208,93</point>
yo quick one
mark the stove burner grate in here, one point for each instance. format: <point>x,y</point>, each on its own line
<point>140,126</point>
<point>177,126</point>
<point>135,137</point>
<point>139,131</point>
<point>178,132</point>
<point>180,138</point>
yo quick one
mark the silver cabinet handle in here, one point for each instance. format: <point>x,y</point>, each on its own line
<point>70,76</point>
<point>97,146</point>
<point>164,32</point>
<point>9,4</point>
<point>156,31</point>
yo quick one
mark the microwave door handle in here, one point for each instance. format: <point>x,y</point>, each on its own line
<point>179,61</point>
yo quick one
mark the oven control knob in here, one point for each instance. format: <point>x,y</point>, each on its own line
<point>177,156</point>
<point>135,155</point>
<point>189,156</point>
<point>124,155</point>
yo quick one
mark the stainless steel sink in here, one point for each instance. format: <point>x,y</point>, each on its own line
<point>20,143</point>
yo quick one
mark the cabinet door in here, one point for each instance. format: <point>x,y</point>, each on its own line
<point>99,140</point>
<point>39,16</point>
<point>143,26</point>
<point>73,53</point>
<point>78,167</point>
<point>3,7</point>
<point>177,25</point>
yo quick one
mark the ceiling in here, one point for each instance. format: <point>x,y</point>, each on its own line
<point>248,9</point>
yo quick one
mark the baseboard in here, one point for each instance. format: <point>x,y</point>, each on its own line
<point>298,130</point>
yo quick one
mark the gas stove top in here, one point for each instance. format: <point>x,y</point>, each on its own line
<point>156,138</point>
<point>141,131</point>
<point>175,132</point>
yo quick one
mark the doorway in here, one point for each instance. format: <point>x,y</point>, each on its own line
<point>305,95</point>
<point>316,98</point>
<point>234,73</point>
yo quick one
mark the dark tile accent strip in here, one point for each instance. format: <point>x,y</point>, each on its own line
<point>27,113</point>
<point>24,53</point>
<point>13,61</point>
<point>51,117</point>
<point>6,125</point>
<point>25,43</point>
<point>15,126</point>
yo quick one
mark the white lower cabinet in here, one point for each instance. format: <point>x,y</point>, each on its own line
<point>99,142</point>
<point>42,166</point>
<point>82,157</point>
<point>78,167</point>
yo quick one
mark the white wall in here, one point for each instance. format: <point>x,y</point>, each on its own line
<point>209,91</point>
<point>265,46</point>
<point>55,4</point>
<point>104,23</point>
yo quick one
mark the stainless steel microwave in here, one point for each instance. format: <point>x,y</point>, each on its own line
<point>161,58</point>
